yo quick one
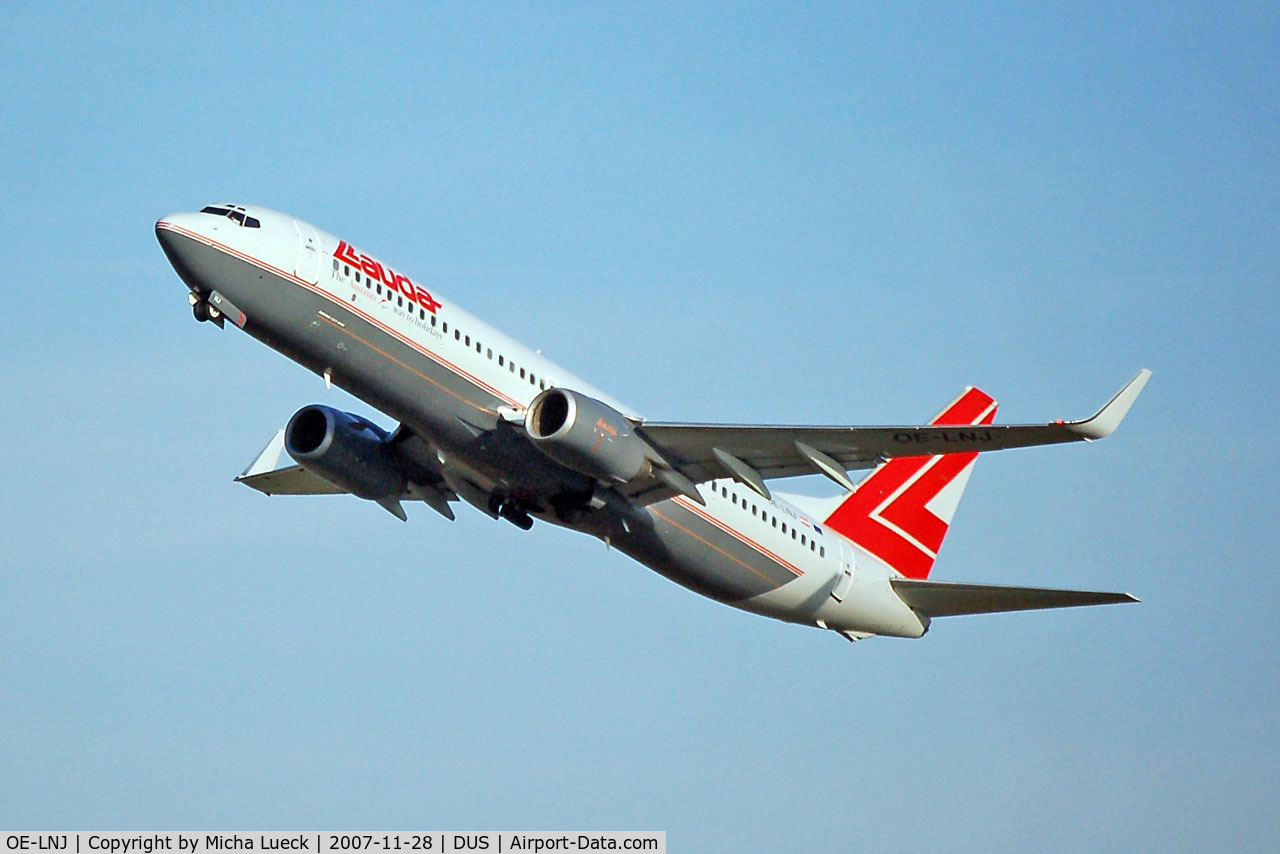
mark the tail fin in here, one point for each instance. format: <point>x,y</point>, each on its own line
<point>901,511</point>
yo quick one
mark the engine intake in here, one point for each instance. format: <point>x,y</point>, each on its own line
<point>345,450</point>
<point>586,435</point>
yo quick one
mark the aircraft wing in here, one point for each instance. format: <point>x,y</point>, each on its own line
<point>273,472</point>
<point>269,477</point>
<point>753,454</point>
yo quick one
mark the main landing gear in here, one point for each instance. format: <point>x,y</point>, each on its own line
<point>201,309</point>
<point>511,512</point>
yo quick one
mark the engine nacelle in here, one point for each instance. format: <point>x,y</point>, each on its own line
<point>586,435</point>
<point>345,450</point>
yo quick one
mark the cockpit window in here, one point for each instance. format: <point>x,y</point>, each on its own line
<point>234,212</point>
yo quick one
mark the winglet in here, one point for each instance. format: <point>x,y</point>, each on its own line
<point>268,460</point>
<point>1108,418</point>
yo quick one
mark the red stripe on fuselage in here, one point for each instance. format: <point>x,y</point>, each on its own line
<point>694,508</point>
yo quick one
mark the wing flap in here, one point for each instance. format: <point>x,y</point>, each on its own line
<point>949,599</point>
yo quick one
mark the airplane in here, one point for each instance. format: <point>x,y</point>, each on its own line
<point>488,421</point>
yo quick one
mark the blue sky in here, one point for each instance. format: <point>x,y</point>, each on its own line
<point>831,214</point>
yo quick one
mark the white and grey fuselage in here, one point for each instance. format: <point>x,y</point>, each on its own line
<point>461,391</point>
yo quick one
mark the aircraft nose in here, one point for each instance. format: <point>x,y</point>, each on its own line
<point>177,238</point>
<point>179,222</point>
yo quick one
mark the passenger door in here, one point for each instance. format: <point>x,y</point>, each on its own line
<point>307,267</point>
<point>845,580</point>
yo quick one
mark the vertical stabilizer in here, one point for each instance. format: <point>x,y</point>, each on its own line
<point>900,513</point>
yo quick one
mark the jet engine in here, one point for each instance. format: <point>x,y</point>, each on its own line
<point>586,435</point>
<point>345,450</point>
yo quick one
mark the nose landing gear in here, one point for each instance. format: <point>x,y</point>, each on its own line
<point>201,308</point>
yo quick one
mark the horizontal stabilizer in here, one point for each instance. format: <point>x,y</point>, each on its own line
<point>945,599</point>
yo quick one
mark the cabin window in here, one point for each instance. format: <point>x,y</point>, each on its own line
<point>346,270</point>
<point>542,385</point>
<point>512,366</point>
<point>793,532</point>
<point>522,373</point>
<point>530,379</point>
<point>784,527</point>
<point>500,361</point>
<point>477,346</point>
<point>335,265</point>
<point>400,301</point>
<point>775,521</point>
<point>433,320</point>
<point>488,353</point>
<point>357,275</point>
<point>457,334</point>
<point>822,552</point>
<point>445,327</point>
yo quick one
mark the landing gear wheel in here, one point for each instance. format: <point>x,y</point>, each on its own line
<point>200,309</point>
<point>511,512</point>
<point>516,516</point>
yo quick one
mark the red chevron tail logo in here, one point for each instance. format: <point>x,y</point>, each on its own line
<point>901,512</point>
